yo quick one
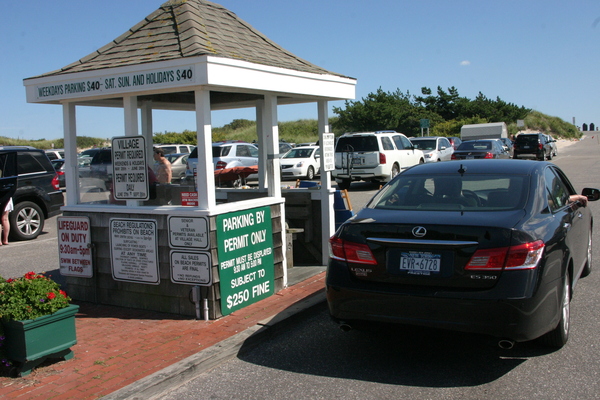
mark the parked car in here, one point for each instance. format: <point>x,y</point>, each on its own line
<point>455,142</point>
<point>508,145</point>
<point>176,148</point>
<point>83,164</point>
<point>553,145</point>
<point>301,162</point>
<point>435,148</point>
<point>307,144</point>
<point>504,265</point>
<point>38,195</point>
<point>486,148</point>
<point>284,147</point>
<point>373,156</point>
<point>101,165</point>
<point>59,167</point>
<point>226,154</point>
<point>532,145</point>
<point>89,152</point>
<point>178,165</point>
<point>55,154</point>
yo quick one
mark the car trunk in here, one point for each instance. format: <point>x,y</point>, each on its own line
<point>357,152</point>
<point>438,259</point>
<point>471,154</point>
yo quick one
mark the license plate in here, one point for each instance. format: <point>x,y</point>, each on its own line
<point>420,262</point>
<point>357,161</point>
<point>525,147</point>
<point>470,157</point>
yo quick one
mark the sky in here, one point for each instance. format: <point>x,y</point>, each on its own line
<point>540,54</point>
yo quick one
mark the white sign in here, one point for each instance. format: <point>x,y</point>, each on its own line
<point>130,173</point>
<point>191,268</point>
<point>329,151</point>
<point>134,250</point>
<point>117,83</point>
<point>74,246</point>
<point>188,232</point>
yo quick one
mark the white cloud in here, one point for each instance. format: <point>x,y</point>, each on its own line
<point>465,63</point>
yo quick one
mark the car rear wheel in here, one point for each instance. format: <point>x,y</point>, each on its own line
<point>26,221</point>
<point>543,157</point>
<point>310,173</point>
<point>550,155</point>
<point>559,336</point>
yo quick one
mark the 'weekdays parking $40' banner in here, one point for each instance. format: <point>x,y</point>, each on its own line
<point>245,250</point>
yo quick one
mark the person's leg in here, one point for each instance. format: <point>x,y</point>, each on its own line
<point>5,227</point>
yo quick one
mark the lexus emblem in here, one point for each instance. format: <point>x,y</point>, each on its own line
<point>419,231</point>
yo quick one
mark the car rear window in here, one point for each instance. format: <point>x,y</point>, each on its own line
<point>528,139</point>
<point>453,192</point>
<point>218,151</point>
<point>357,143</point>
<point>429,144</point>
<point>475,146</point>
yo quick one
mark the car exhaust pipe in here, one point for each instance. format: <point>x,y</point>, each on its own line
<point>345,327</point>
<point>506,344</point>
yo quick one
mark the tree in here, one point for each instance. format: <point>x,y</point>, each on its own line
<point>382,111</point>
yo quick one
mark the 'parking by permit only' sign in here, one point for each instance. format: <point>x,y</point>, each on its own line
<point>245,253</point>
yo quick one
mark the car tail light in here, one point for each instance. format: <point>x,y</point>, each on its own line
<point>540,146</point>
<point>55,184</point>
<point>453,157</point>
<point>221,165</point>
<point>351,252</point>
<point>522,256</point>
<point>382,158</point>
<point>488,155</point>
<point>525,256</point>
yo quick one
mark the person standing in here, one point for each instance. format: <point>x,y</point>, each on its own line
<point>5,222</point>
<point>163,169</point>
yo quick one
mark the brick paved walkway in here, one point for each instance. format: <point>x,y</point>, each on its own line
<point>118,346</point>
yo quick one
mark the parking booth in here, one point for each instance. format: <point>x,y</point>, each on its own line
<point>126,241</point>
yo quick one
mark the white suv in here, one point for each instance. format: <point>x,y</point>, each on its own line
<point>373,156</point>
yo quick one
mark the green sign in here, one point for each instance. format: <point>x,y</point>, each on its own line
<point>245,253</point>
<point>424,123</point>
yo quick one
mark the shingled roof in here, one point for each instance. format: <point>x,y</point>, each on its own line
<point>190,28</point>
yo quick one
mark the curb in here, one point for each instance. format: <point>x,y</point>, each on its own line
<point>156,385</point>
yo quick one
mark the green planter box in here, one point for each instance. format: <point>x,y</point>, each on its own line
<point>29,343</point>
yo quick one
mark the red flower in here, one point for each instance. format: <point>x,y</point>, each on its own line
<point>51,295</point>
<point>9,280</point>
<point>63,293</point>
<point>30,275</point>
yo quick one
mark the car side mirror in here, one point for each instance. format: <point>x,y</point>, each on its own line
<point>591,194</point>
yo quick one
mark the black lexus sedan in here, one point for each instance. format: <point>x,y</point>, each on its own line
<point>486,246</point>
<point>486,148</point>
